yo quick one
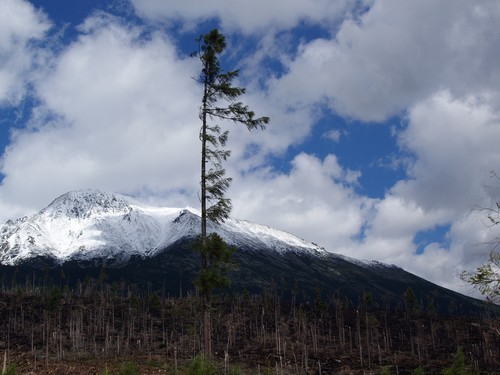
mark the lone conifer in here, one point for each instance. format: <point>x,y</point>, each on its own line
<point>219,102</point>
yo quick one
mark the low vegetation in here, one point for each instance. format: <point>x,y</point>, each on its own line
<point>101,328</point>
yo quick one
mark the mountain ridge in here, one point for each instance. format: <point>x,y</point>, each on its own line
<point>87,233</point>
<point>91,223</point>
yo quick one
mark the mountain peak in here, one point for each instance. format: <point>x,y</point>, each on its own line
<point>90,224</point>
<point>87,202</point>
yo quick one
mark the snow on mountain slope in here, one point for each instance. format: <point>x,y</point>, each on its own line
<point>88,224</point>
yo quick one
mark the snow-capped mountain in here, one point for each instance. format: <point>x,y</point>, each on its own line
<point>84,232</point>
<point>89,224</point>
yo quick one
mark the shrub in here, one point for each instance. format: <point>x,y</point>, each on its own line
<point>458,365</point>
<point>235,370</point>
<point>11,370</point>
<point>129,368</point>
<point>202,366</point>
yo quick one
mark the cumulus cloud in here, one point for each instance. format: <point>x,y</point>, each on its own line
<point>454,144</point>
<point>396,54</point>
<point>258,16</point>
<point>117,113</point>
<point>333,135</point>
<point>21,26</point>
<point>454,141</point>
<point>315,200</point>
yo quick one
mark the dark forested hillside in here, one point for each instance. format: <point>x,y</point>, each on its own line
<point>298,275</point>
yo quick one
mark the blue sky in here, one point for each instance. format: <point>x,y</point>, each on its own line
<point>384,116</point>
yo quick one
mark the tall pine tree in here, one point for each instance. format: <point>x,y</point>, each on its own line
<point>219,102</point>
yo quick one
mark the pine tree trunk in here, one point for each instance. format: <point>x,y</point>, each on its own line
<point>203,181</point>
<point>207,327</point>
<point>207,331</point>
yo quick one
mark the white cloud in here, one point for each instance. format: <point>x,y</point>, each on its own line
<point>454,143</point>
<point>397,217</point>
<point>314,200</point>
<point>258,16</point>
<point>398,53</point>
<point>20,25</point>
<point>117,113</point>
<point>333,135</point>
